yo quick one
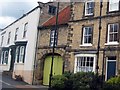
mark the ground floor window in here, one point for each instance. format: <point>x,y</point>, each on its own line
<point>20,54</point>
<point>4,57</point>
<point>84,63</point>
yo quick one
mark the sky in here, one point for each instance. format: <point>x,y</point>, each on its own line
<point>10,10</point>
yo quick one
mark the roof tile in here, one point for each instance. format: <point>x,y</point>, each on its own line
<point>63,17</point>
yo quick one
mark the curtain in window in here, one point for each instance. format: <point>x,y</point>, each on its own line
<point>84,64</point>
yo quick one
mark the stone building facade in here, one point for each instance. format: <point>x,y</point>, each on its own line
<point>85,21</point>
<point>78,40</point>
<point>45,44</point>
<point>18,42</point>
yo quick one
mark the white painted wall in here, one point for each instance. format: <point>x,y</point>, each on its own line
<point>32,19</point>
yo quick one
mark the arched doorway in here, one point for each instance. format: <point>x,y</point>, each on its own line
<point>57,67</point>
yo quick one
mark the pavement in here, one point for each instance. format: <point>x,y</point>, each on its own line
<point>7,83</point>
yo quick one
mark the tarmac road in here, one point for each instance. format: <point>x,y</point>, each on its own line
<point>7,83</point>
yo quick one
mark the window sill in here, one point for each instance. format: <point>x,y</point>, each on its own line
<point>89,15</point>
<point>86,45</point>
<point>3,64</point>
<point>115,11</point>
<point>19,63</point>
<point>112,43</point>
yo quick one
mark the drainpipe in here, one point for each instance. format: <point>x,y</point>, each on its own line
<point>102,78</point>
<point>36,47</point>
<point>99,35</point>
<point>53,48</point>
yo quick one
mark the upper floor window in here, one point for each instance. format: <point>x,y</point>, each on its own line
<point>89,7</point>
<point>52,38</point>
<point>113,5</point>
<point>16,33</point>
<point>87,35</point>
<point>9,36</point>
<point>2,40</point>
<point>85,63</point>
<point>52,10</point>
<point>25,30</point>
<point>20,53</point>
<point>113,33</point>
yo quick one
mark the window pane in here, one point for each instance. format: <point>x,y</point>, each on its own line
<point>6,57</point>
<point>85,39</point>
<point>115,37</point>
<point>89,39</point>
<point>113,32</point>
<point>25,29</point>
<point>2,40</point>
<point>84,61</point>
<point>9,36</point>
<point>116,28</point>
<point>111,28</point>
<point>85,64</point>
<point>17,54</point>
<point>52,38</point>
<point>85,31</point>
<point>113,5</point>
<point>112,58</point>
<point>87,61</point>
<point>111,38</point>
<point>21,54</point>
<point>89,7</point>
<point>87,34</point>
<point>91,61</point>
<point>90,30</point>
<point>2,57</point>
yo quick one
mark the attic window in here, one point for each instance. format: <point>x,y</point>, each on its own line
<point>52,10</point>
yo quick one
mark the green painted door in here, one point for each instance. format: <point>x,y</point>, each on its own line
<point>57,68</point>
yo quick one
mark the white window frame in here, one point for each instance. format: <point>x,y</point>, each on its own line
<point>86,8</point>
<point>21,54</point>
<point>17,54</point>
<point>83,43</point>
<point>113,3</point>
<point>52,38</point>
<point>16,33</point>
<point>108,35</point>
<point>2,57</point>
<point>5,57</point>
<point>9,36</point>
<point>2,38</point>
<point>85,55</point>
<point>25,30</point>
